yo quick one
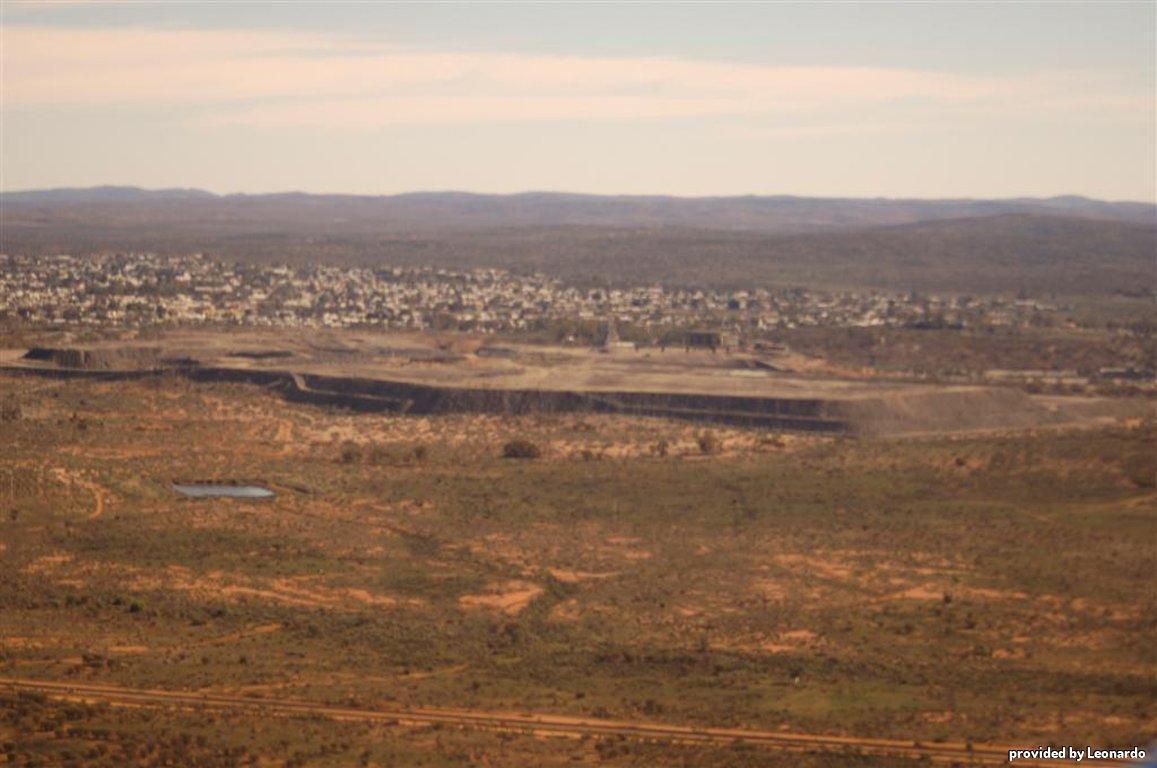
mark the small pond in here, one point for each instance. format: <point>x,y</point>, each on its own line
<point>212,490</point>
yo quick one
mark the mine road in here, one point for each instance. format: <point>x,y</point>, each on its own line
<point>544,725</point>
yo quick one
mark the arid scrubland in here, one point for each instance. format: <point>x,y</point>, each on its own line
<point>995,588</point>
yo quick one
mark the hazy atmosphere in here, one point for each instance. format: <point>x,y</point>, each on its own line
<point>907,100</point>
<point>614,384</point>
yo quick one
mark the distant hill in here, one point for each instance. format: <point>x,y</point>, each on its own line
<point>1057,245</point>
<point>73,195</point>
<point>459,210</point>
<point>1040,254</point>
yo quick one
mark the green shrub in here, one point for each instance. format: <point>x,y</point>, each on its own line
<point>520,449</point>
<point>709,444</point>
<point>351,452</point>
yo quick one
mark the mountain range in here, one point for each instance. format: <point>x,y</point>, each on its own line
<point>463,210</point>
<point>1060,245</point>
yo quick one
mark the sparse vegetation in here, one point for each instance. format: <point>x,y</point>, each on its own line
<point>871,587</point>
<point>381,454</point>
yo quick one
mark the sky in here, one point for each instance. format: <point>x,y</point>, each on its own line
<point>871,99</point>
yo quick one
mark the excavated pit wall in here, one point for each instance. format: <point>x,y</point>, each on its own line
<point>376,395</point>
<point>810,415</point>
<point>893,411</point>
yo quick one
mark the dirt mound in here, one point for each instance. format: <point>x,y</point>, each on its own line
<point>973,408</point>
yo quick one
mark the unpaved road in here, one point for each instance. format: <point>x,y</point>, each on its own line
<point>72,478</point>
<point>543,725</point>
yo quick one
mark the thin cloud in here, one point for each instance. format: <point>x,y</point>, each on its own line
<point>275,79</point>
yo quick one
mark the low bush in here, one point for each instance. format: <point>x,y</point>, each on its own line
<point>709,444</point>
<point>520,449</point>
<point>351,453</point>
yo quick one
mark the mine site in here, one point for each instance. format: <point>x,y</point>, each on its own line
<point>618,384</point>
<point>457,373</point>
<point>390,547</point>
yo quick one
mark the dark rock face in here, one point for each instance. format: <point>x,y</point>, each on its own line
<point>369,395</point>
<point>125,358</point>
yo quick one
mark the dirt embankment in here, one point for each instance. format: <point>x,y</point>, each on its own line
<point>977,408</point>
<point>908,411</point>
<point>100,359</point>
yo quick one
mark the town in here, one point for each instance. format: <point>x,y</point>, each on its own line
<point>600,385</point>
<point>138,290</point>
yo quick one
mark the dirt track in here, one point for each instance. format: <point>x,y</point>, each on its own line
<point>96,490</point>
<point>544,725</point>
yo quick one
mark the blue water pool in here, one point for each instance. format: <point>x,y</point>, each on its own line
<point>210,490</point>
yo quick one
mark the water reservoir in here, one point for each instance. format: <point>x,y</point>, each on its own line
<point>213,490</point>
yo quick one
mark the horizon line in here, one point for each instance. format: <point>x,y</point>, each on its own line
<point>565,193</point>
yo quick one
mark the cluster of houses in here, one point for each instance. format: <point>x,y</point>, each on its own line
<point>147,289</point>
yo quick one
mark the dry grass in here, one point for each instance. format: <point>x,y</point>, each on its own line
<point>947,587</point>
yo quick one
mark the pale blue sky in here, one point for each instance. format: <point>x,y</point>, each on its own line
<point>869,99</point>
